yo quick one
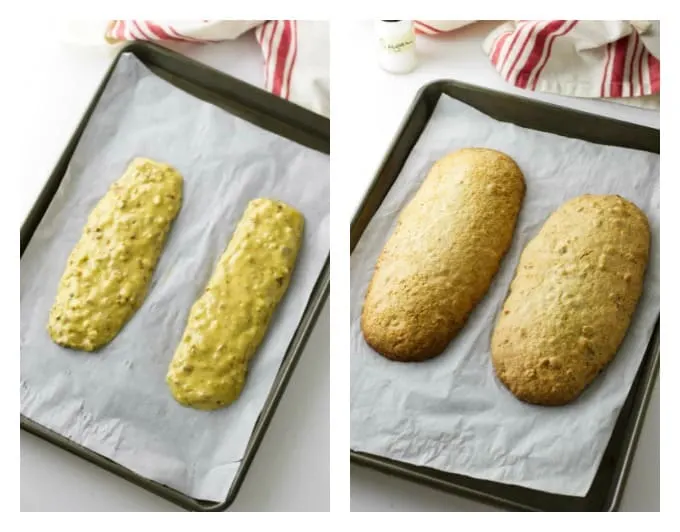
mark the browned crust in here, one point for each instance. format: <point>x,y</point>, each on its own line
<point>570,304</point>
<point>443,254</point>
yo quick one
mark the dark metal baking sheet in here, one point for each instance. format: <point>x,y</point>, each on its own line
<point>607,487</point>
<point>262,109</point>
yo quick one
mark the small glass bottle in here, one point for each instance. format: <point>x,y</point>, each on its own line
<point>396,45</point>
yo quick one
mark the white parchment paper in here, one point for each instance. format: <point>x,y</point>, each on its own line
<point>116,402</point>
<point>451,413</point>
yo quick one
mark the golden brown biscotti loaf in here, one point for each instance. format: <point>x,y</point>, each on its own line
<point>443,254</point>
<point>571,301</point>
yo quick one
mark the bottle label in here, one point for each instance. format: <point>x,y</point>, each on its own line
<point>398,45</point>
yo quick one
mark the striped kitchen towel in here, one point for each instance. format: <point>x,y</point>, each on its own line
<point>191,31</point>
<point>438,27</point>
<point>296,61</point>
<point>296,52</point>
<point>592,59</point>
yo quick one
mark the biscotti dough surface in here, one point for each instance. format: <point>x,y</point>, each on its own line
<point>571,302</point>
<point>228,322</point>
<point>109,269</point>
<point>443,254</point>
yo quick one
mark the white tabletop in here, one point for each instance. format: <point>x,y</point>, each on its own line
<point>291,469</point>
<point>378,104</point>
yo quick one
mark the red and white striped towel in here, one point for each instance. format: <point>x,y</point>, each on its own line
<point>616,60</point>
<point>296,61</point>
<point>438,27</point>
<point>192,31</point>
<point>296,53</point>
<point>593,59</point>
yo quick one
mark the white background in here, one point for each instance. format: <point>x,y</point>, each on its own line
<point>379,102</point>
<point>291,469</point>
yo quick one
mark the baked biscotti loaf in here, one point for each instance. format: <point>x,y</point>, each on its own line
<point>571,301</point>
<point>443,254</point>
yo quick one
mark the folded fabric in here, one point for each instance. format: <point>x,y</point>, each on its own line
<point>437,27</point>
<point>593,59</point>
<point>193,31</point>
<point>296,52</point>
<point>296,61</point>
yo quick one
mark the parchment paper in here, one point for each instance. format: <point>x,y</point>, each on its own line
<point>451,413</point>
<point>116,402</point>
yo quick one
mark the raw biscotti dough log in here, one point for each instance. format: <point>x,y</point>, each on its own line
<point>228,322</point>
<point>442,256</point>
<point>576,288</point>
<point>109,269</point>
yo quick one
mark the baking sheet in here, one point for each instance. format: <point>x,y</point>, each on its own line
<point>451,413</point>
<point>116,402</point>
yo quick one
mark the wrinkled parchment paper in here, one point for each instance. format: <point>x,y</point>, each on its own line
<point>451,413</point>
<point>116,402</point>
